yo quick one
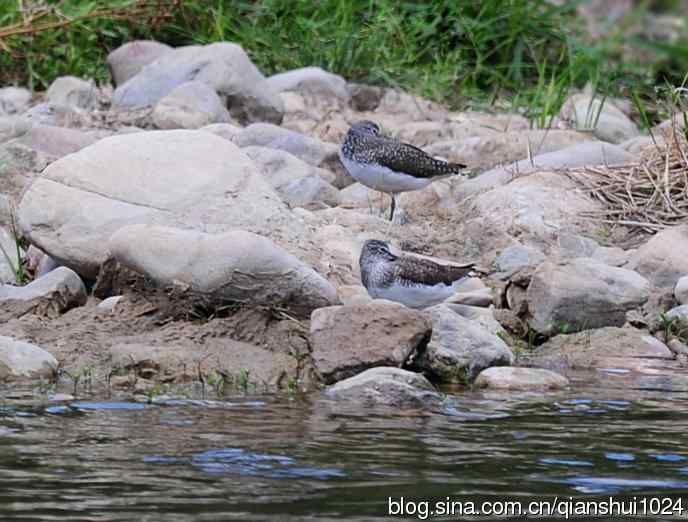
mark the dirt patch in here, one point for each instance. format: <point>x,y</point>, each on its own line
<point>264,347</point>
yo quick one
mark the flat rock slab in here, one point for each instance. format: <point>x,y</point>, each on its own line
<point>20,360</point>
<point>582,294</point>
<point>541,205</point>
<point>459,347</point>
<point>236,267</point>
<point>579,155</point>
<point>520,379</point>
<point>603,348</point>
<point>386,386</point>
<point>50,295</point>
<point>346,340</point>
<point>181,178</point>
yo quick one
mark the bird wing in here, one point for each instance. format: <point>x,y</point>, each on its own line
<point>407,159</point>
<point>427,272</point>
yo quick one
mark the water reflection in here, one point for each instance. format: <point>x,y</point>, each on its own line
<point>295,458</point>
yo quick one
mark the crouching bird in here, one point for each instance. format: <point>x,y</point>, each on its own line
<point>408,279</point>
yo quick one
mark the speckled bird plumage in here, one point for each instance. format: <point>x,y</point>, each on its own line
<point>414,281</point>
<point>388,165</point>
<point>363,143</point>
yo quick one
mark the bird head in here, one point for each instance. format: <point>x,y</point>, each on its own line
<point>366,127</point>
<point>377,248</point>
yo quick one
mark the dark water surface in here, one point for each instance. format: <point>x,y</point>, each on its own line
<point>301,458</point>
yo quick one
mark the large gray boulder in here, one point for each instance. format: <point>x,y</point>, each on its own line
<point>21,361</point>
<point>14,100</point>
<point>387,387</point>
<point>50,295</point>
<point>224,66</point>
<point>191,105</point>
<point>664,258</point>
<point>582,294</point>
<point>237,267</point>
<point>128,59</point>
<point>346,340</point>
<point>186,179</point>
<point>460,348</point>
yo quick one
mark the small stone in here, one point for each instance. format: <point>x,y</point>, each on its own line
<point>14,100</point>
<point>612,256</point>
<point>224,130</point>
<point>365,98</point>
<point>109,303</point>
<point>520,379</point>
<point>190,105</point>
<point>678,348</point>
<point>607,122</point>
<point>516,258</point>
<point>9,258</point>
<point>22,360</point>
<point>51,295</point>
<point>572,246</point>
<point>309,192</point>
<point>678,312</point>
<point>386,386</point>
<point>681,290</point>
<point>71,91</point>
<point>61,397</point>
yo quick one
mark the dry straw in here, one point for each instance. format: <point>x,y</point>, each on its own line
<point>647,195</point>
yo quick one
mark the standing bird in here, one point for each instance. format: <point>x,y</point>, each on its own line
<point>411,280</point>
<point>387,165</point>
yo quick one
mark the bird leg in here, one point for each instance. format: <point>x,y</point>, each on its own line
<point>394,204</point>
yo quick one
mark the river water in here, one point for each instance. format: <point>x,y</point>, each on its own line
<point>292,457</point>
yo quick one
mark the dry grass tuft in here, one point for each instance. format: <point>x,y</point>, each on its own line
<point>647,195</point>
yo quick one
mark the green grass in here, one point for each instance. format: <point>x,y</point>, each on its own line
<point>523,53</point>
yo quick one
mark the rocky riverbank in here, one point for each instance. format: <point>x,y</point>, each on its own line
<point>194,224</point>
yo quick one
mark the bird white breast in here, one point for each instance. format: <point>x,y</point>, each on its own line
<point>383,179</point>
<point>416,296</point>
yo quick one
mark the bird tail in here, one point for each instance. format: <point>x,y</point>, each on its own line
<point>450,169</point>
